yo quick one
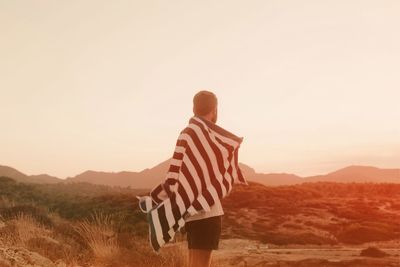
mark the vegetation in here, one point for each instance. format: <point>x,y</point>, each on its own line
<point>373,252</point>
<point>314,213</point>
<point>83,224</point>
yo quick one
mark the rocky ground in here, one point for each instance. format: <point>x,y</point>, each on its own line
<point>21,257</point>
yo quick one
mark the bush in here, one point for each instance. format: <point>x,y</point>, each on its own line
<point>300,238</point>
<point>373,252</point>
<point>358,234</point>
<point>38,214</point>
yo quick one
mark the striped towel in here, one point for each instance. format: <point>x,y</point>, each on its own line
<point>202,171</point>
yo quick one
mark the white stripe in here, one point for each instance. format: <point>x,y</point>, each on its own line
<point>171,233</point>
<point>179,149</point>
<point>180,203</point>
<point>192,210</point>
<point>173,175</point>
<point>176,162</point>
<point>168,213</point>
<point>234,170</point>
<point>204,203</point>
<point>149,203</point>
<point>157,227</point>
<point>181,222</point>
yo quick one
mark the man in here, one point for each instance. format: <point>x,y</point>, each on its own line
<point>204,228</point>
<point>202,171</point>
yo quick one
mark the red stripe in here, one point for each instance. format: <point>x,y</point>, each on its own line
<point>174,168</point>
<point>177,155</point>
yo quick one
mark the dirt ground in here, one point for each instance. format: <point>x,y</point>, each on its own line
<point>241,252</point>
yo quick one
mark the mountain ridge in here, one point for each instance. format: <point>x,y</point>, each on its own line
<point>149,177</point>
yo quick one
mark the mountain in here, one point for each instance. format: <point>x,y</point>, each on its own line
<point>147,178</point>
<point>21,177</point>
<point>275,179</point>
<point>350,174</point>
<point>271,179</point>
<point>355,173</point>
<point>123,178</point>
<point>150,177</point>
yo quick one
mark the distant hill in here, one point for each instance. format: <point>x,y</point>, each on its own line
<point>146,178</point>
<point>276,179</point>
<point>356,174</point>
<point>21,177</point>
<point>150,177</point>
<point>350,174</point>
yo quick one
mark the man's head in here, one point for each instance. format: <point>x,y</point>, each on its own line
<point>205,105</point>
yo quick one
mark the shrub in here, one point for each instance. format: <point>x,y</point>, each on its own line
<point>99,234</point>
<point>37,214</point>
<point>373,252</point>
<point>27,228</point>
<point>357,234</point>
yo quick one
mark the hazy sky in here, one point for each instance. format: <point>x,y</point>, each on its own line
<point>312,86</point>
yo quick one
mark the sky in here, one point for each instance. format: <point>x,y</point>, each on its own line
<point>311,86</point>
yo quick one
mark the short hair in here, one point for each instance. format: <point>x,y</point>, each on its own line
<point>204,102</point>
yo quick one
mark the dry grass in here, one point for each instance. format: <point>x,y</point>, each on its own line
<point>91,242</point>
<point>27,228</point>
<point>275,216</point>
<point>174,256</point>
<point>100,236</point>
<point>5,202</point>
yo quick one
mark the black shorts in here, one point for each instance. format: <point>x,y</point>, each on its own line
<point>204,233</point>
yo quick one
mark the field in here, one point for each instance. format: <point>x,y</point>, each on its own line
<point>312,224</point>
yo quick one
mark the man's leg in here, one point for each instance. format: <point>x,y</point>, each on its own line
<point>199,258</point>
<point>203,236</point>
<point>190,258</point>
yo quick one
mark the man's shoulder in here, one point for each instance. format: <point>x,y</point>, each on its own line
<point>185,129</point>
<point>185,132</point>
